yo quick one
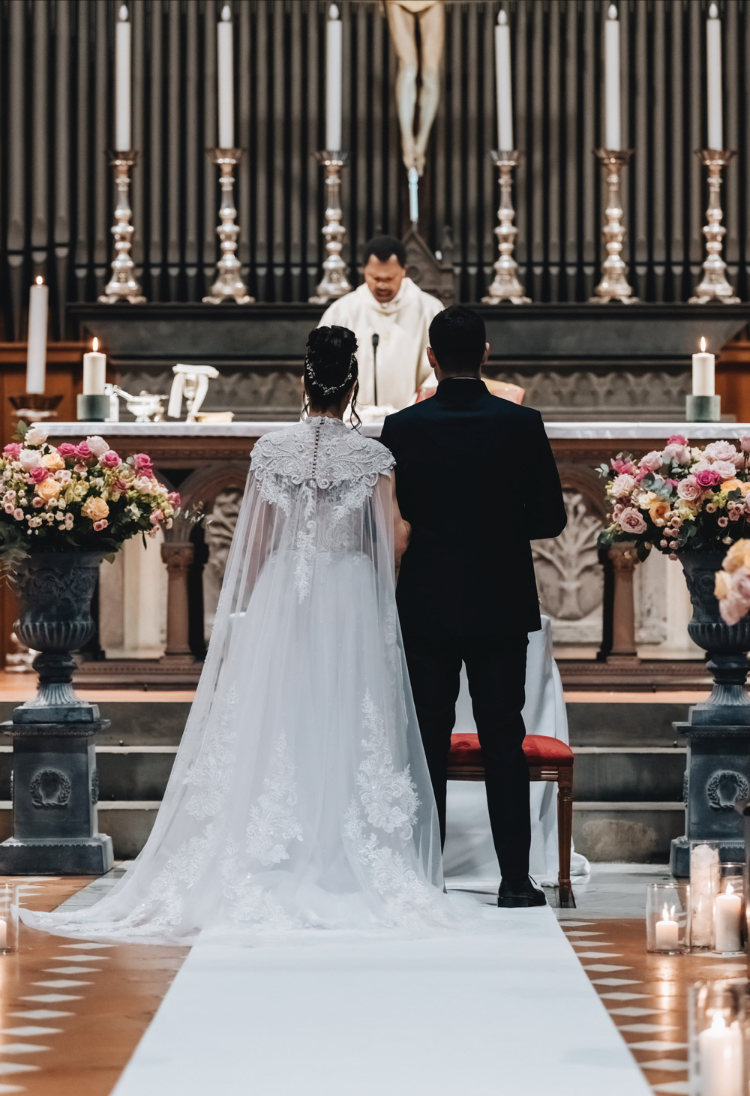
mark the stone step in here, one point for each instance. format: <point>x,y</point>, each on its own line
<point>637,773</point>
<point>627,832</point>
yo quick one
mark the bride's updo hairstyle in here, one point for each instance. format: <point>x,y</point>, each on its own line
<point>331,368</point>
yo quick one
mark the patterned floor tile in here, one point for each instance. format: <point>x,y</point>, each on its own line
<point>643,1029</point>
<point>41,1014</point>
<point>615,981</point>
<point>20,1048</point>
<point>30,1030</point>
<point>657,1044</point>
<point>72,970</point>
<point>605,968</point>
<point>669,1064</point>
<point>675,1088</point>
<point>630,1010</point>
<point>626,997</point>
<point>13,1067</point>
<point>12,1088</point>
<point>61,983</point>
<point>51,998</point>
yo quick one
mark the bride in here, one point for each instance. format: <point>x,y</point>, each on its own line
<point>300,797</point>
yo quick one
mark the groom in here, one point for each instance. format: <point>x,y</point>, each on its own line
<point>476,479</point>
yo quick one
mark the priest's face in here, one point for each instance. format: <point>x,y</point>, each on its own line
<point>384,278</point>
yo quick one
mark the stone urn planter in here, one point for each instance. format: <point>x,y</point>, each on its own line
<point>718,729</point>
<point>55,780</point>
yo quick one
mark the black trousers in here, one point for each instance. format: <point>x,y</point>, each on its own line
<point>496,669</point>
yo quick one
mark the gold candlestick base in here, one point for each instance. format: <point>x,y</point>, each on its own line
<point>713,285</point>
<point>506,286</point>
<point>334,282</point>
<point>123,286</point>
<point>229,285</point>
<point>614,284</point>
<point>34,407</point>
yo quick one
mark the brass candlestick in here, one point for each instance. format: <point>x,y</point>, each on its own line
<point>229,285</point>
<point>334,282</point>
<point>614,284</point>
<point>123,286</point>
<point>714,285</point>
<point>506,286</point>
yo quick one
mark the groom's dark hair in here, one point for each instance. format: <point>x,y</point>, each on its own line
<point>457,338</point>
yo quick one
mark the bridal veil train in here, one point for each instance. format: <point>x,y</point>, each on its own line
<point>300,797</point>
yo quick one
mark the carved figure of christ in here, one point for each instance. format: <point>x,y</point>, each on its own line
<point>403,16</point>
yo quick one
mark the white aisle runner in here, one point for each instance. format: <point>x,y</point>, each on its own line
<point>509,1013</point>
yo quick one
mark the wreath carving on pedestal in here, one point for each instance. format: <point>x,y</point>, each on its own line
<point>50,790</point>
<point>719,795</point>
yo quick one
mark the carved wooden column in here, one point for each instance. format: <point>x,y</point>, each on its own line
<point>178,558</point>
<point>623,610</point>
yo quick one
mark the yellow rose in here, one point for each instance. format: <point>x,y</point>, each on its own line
<point>722,585</point>
<point>737,556</point>
<point>53,461</point>
<point>658,509</point>
<point>735,485</point>
<point>95,508</point>
<point>48,489</point>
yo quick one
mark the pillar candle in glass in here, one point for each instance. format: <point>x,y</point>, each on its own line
<point>713,79</point>
<point>36,353</point>
<point>122,80</point>
<point>668,917</point>
<point>612,139</point>
<point>704,366</point>
<point>704,886</point>
<point>94,371</point>
<point>8,919</point>
<point>225,72</point>
<point>334,79</point>
<point>716,1021</point>
<point>504,84</point>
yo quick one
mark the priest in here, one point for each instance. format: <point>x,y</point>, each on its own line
<point>391,317</point>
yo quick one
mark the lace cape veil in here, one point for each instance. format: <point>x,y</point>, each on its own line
<point>300,796</point>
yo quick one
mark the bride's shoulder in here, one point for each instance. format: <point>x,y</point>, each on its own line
<point>369,454</point>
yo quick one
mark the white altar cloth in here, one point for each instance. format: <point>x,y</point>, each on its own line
<point>469,858</point>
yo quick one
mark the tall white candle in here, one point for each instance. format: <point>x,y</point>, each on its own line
<point>122,80</point>
<point>704,372</point>
<point>612,78</point>
<point>720,1049</point>
<point>667,932</point>
<point>3,934</point>
<point>713,75</point>
<point>504,84</point>
<point>225,68</point>
<point>334,79</point>
<point>704,885</point>
<point>727,920</point>
<point>36,352</point>
<point>94,371</point>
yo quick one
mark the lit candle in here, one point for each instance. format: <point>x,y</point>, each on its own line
<point>334,79</point>
<point>504,84</point>
<point>727,920</point>
<point>3,934</point>
<point>703,372</point>
<point>225,60</point>
<point>713,75</point>
<point>36,353</point>
<point>122,81</point>
<point>413,195</point>
<point>94,371</point>
<point>667,932</point>
<point>612,78</point>
<point>720,1049</point>
<point>704,885</point>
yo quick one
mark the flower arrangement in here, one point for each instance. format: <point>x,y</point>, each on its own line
<point>680,498</point>
<point>733,583</point>
<point>76,497</point>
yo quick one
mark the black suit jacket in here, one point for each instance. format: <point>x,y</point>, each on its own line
<point>476,479</point>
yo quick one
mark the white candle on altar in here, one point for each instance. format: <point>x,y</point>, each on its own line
<point>94,371</point>
<point>225,69</point>
<point>122,80</point>
<point>334,79</point>
<point>612,78</point>
<point>36,351</point>
<point>713,77</point>
<point>727,920</point>
<point>3,934</point>
<point>703,372</point>
<point>504,84</point>
<point>720,1049</point>
<point>667,932</point>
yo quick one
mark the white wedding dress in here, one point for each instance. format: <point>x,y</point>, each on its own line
<point>300,797</point>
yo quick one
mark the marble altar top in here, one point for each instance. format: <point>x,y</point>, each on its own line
<point>621,431</point>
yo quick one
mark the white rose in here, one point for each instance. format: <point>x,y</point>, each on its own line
<point>98,446</point>
<point>29,458</point>
<point>623,485</point>
<point>37,435</point>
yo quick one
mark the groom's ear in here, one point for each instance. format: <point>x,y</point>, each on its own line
<point>485,355</point>
<point>431,358</point>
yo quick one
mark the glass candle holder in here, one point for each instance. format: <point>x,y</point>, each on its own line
<point>8,919</point>
<point>717,1036</point>
<point>729,910</point>
<point>705,878</point>
<point>668,918</point>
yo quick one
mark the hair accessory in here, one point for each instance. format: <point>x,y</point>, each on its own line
<point>336,387</point>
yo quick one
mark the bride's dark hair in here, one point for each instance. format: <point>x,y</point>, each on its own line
<point>331,368</point>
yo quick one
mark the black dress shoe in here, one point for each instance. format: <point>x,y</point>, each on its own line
<point>520,894</point>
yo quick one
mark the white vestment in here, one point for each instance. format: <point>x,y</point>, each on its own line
<point>403,325</point>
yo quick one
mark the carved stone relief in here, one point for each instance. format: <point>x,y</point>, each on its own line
<point>560,393</point>
<point>219,533</point>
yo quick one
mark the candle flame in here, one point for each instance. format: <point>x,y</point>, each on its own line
<point>703,345</point>
<point>122,14</point>
<point>611,12</point>
<point>95,344</point>
<point>333,12</point>
<point>718,1023</point>
<point>713,12</point>
<point>502,18</point>
<point>667,914</point>
<point>730,889</point>
<point>39,280</point>
<point>226,13</point>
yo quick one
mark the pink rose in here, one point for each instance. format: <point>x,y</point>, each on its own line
<point>120,485</point>
<point>677,452</point>
<point>142,463</point>
<point>623,485</point>
<point>720,450</point>
<point>37,503</point>
<point>678,439</point>
<point>99,525</point>
<point>652,461</point>
<point>97,445</point>
<point>66,449</point>
<point>745,443</point>
<point>12,450</point>
<point>689,489</point>
<point>9,507</point>
<point>84,451</point>
<point>732,609</point>
<point>741,584</point>
<point>707,477</point>
<point>110,459</point>
<point>722,522</point>
<point>622,467</point>
<point>725,468</point>
<point>81,469</point>
<point>36,475</point>
<point>174,499</point>
<point>630,521</point>
<point>63,476</point>
<point>18,514</point>
<point>156,517</point>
